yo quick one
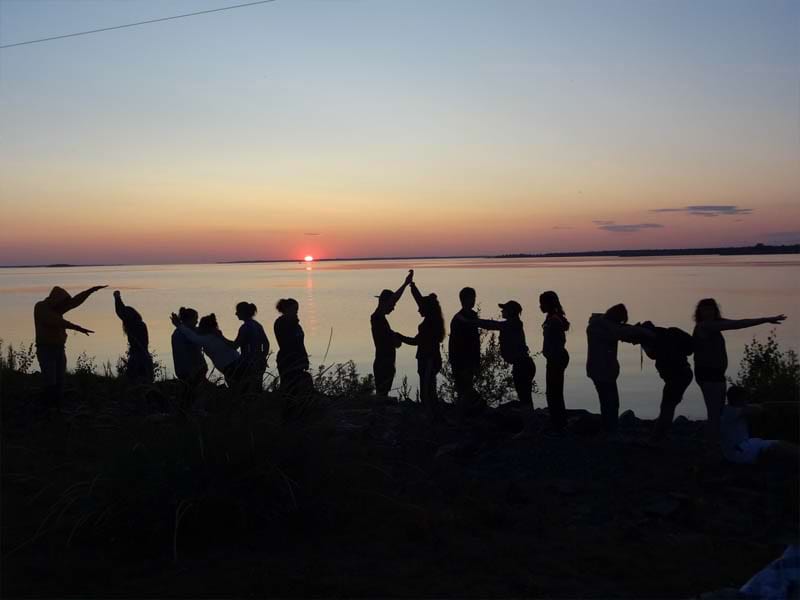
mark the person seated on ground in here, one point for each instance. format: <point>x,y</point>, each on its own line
<point>464,354</point>
<point>386,340</point>
<point>252,342</point>
<point>670,348</point>
<point>220,350</point>
<point>51,339</point>
<point>187,357</point>
<point>139,365</point>
<point>292,357</point>
<point>603,334</point>
<point>430,335</point>
<point>515,352</point>
<point>736,444</point>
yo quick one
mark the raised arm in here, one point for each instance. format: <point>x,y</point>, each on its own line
<point>416,293</point>
<point>399,291</point>
<point>80,298</point>
<point>730,324</point>
<point>119,305</point>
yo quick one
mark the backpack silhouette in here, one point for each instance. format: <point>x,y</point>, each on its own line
<point>670,343</point>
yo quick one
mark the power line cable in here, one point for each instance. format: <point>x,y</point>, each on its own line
<point>201,12</point>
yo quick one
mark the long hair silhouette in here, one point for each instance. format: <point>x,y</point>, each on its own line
<point>550,302</point>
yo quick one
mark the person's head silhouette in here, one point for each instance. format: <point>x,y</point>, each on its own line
<point>707,310</point>
<point>188,316</point>
<point>208,325</point>
<point>245,311</point>
<point>386,301</point>
<point>58,295</point>
<point>551,305</point>
<point>467,297</point>
<point>510,310</point>
<point>618,313</point>
<point>287,306</point>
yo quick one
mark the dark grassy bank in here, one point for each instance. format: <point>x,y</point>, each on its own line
<point>354,499</point>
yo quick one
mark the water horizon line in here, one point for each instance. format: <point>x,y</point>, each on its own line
<point>756,249</point>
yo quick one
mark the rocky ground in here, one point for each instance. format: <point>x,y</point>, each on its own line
<point>354,498</point>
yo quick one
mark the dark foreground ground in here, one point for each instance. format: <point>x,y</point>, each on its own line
<point>350,499</point>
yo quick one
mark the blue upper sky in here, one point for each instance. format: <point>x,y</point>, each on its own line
<point>304,115</point>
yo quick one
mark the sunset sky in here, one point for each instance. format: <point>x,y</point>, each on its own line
<point>382,128</point>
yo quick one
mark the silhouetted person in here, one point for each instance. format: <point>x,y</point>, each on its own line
<point>187,357</point>
<point>51,339</point>
<point>139,366</point>
<point>514,350</point>
<point>554,348</point>
<point>670,348</point>
<point>217,347</point>
<point>603,333</point>
<point>430,335</point>
<point>253,344</point>
<point>386,340</point>
<point>292,357</point>
<point>464,353</point>
<point>711,356</point>
<point>737,445</point>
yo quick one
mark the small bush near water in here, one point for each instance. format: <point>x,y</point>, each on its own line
<point>768,372</point>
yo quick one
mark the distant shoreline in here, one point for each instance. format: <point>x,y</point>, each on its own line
<point>757,250</point>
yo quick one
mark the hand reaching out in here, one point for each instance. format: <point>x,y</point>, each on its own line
<point>776,320</point>
<point>410,276</point>
<point>176,320</point>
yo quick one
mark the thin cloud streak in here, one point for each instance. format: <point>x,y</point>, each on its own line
<point>707,210</point>
<point>629,227</point>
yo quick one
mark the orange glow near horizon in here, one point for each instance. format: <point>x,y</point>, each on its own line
<point>308,258</point>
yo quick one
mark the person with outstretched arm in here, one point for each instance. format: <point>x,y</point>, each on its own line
<point>428,340</point>
<point>603,334</point>
<point>190,366</point>
<point>514,350</point>
<point>217,347</point>
<point>51,338</point>
<point>711,356</point>
<point>139,366</point>
<point>385,339</point>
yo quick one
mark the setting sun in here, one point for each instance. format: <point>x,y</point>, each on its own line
<point>309,258</point>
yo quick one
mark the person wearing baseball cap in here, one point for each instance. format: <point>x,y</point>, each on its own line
<point>515,352</point>
<point>386,340</point>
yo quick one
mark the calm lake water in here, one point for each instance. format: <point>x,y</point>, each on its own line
<point>337,298</point>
